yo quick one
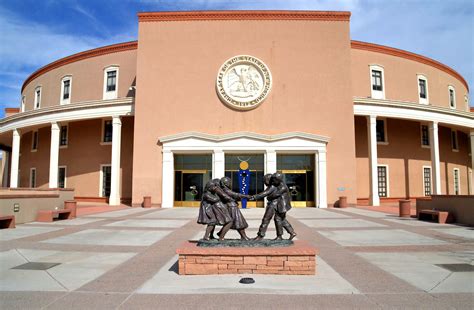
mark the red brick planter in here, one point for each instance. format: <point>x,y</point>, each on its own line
<point>71,205</point>
<point>146,202</point>
<point>404,207</point>
<point>343,202</point>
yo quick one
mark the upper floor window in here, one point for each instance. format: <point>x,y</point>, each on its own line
<point>63,136</point>
<point>466,101</point>
<point>452,97</point>
<point>32,177</point>
<point>37,97</point>
<point>422,89</point>
<point>62,177</point>
<point>425,136</point>
<point>454,140</point>
<point>66,84</point>
<point>107,131</point>
<point>22,108</point>
<point>34,141</point>
<point>377,82</point>
<point>111,76</point>
<point>381,128</point>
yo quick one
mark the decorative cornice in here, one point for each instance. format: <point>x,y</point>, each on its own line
<point>109,49</point>
<point>407,55</point>
<point>243,15</point>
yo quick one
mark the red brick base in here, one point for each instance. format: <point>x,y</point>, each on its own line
<point>299,259</point>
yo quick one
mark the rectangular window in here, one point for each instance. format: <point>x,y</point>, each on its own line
<point>425,135</point>
<point>63,136</point>
<point>457,190</point>
<point>422,84</point>
<point>454,140</point>
<point>111,80</point>
<point>37,98</point>
<point>66,88</point>
<point>377,80</point>
<point>382,180</point>
<point>381,134</point>
<point>23,104</point>
<point>452,103</point>
<point>427,181</point>
<point>62,177</point>
<point>34,141</point>
<point>106,177</point>
<point>32,177</point>
<point>107,137</point>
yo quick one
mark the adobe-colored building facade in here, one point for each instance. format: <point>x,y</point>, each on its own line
<point>200,93</point>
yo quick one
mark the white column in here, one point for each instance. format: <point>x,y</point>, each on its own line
<point>435,166</point>
<point>114,199</point>
<point>322,179</point>
<point>15,159</point>
<point>374,199</point>
<point>218,164</point>
<point>54,156</point>
<point>5,168</point>
<point>471,135</point>
<point>167,180</point>
<point>270,161</point>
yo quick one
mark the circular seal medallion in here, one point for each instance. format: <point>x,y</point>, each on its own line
<point>243,82</point>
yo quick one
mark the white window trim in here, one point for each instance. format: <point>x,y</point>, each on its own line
<point>101,180</point>
<point>67,135</point>
<point>450,87</point>
<point>102,142</point>
<point>377,94</point>
<point>36,97</point>
<point>384,119</point>
<point>427,99</point>
<point>454,181</point>
<point>421,136</point>
<point>33,140</point>
<point>388,179</point>
<point>457,140</point>
<point>423,179</point>
<point>22,106</point>
<point>65,175</point>
<point>466,102</point>
<point>111,94</point>
<point>31,179</point>
<point>68,100</point>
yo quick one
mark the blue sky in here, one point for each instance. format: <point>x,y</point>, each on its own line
<point>36,32</point>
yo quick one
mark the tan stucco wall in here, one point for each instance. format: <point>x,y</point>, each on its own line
<point>459,206</point>
<point>176,72</point>
<point>87,79</point>
<point>405,158</point>
<point>82,157</point>
<point>401,81</point>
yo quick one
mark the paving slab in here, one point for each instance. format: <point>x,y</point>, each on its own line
<point>326,281</point>
<point>89,301</point>
<point>367,213</point>
<point>464,232</point>
<point>28,300</point>
<point>74,222</point>
<point>379,237</point>
<point>111,237</point>
<point>315,213</point>
<point>176,213</point>
<point>340,223</point>
<point>118,213</point>
<point>416,223</point>
<point>22,231</point>
<point>150,223</point>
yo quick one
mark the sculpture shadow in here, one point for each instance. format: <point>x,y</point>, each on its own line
<point>175,267</point>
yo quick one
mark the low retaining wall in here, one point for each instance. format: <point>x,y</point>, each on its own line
<point>298,259</point>
<point>29,201</point>
<point>460,206</point>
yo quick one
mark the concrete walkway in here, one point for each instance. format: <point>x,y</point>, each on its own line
<point>126,259</point>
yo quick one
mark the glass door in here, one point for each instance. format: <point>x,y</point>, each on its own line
<point>191,174</point>
<point>298,174</point>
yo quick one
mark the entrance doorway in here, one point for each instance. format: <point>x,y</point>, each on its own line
<point>298,174</point>
<point>192,172</point>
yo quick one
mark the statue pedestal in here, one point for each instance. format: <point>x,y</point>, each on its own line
<point>296,259</point>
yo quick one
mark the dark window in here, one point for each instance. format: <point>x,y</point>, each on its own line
<point>425,136</point>
<point>107,131</point>
<point>454,139</point>
<point>422,84</point>
<point>111,80</point>
<point>66,88</point>
<point>377,80</point>
<point>427,181</point>
<point>382,180</point>
<point>451,97</point>
<point>106,175</point>
<point>456,182</point>
<point>381,131</point>
<point>63,136</point>
<point>38,98</point>
<point>62,177</point>
<point>33,178</point>
<point>34,145</point>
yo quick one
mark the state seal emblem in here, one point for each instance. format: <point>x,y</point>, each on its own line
<point>243,82</point>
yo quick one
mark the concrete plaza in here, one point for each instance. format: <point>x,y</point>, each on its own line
<point>126,259</point>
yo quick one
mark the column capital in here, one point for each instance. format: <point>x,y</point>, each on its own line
<point>16,132</point>
<point>372,119</point>
<point>116,120</point>
<point>54,126</point>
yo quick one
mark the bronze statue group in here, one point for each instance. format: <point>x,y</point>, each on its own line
<point>219,207</point>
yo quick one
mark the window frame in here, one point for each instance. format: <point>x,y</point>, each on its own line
<point>107,95</point>
<point>451,88</point>
<point>387,181</point>
<point>426,146</point>
<point>102,136</point>
<point>420,99</point>
<point>454,181</point>
<point>22,103</point>
<point>377,94</point>
<point>101,180</point>
<point>61,99</point>
<point>384,120</point>
<point>423,180</point>
<point>33,148</point>
<point>65,176</point>
<point>37,102</point>
<point>31,179</point>
<point>455,132</point>
<point>466,102</point>
<point>63,146</point>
